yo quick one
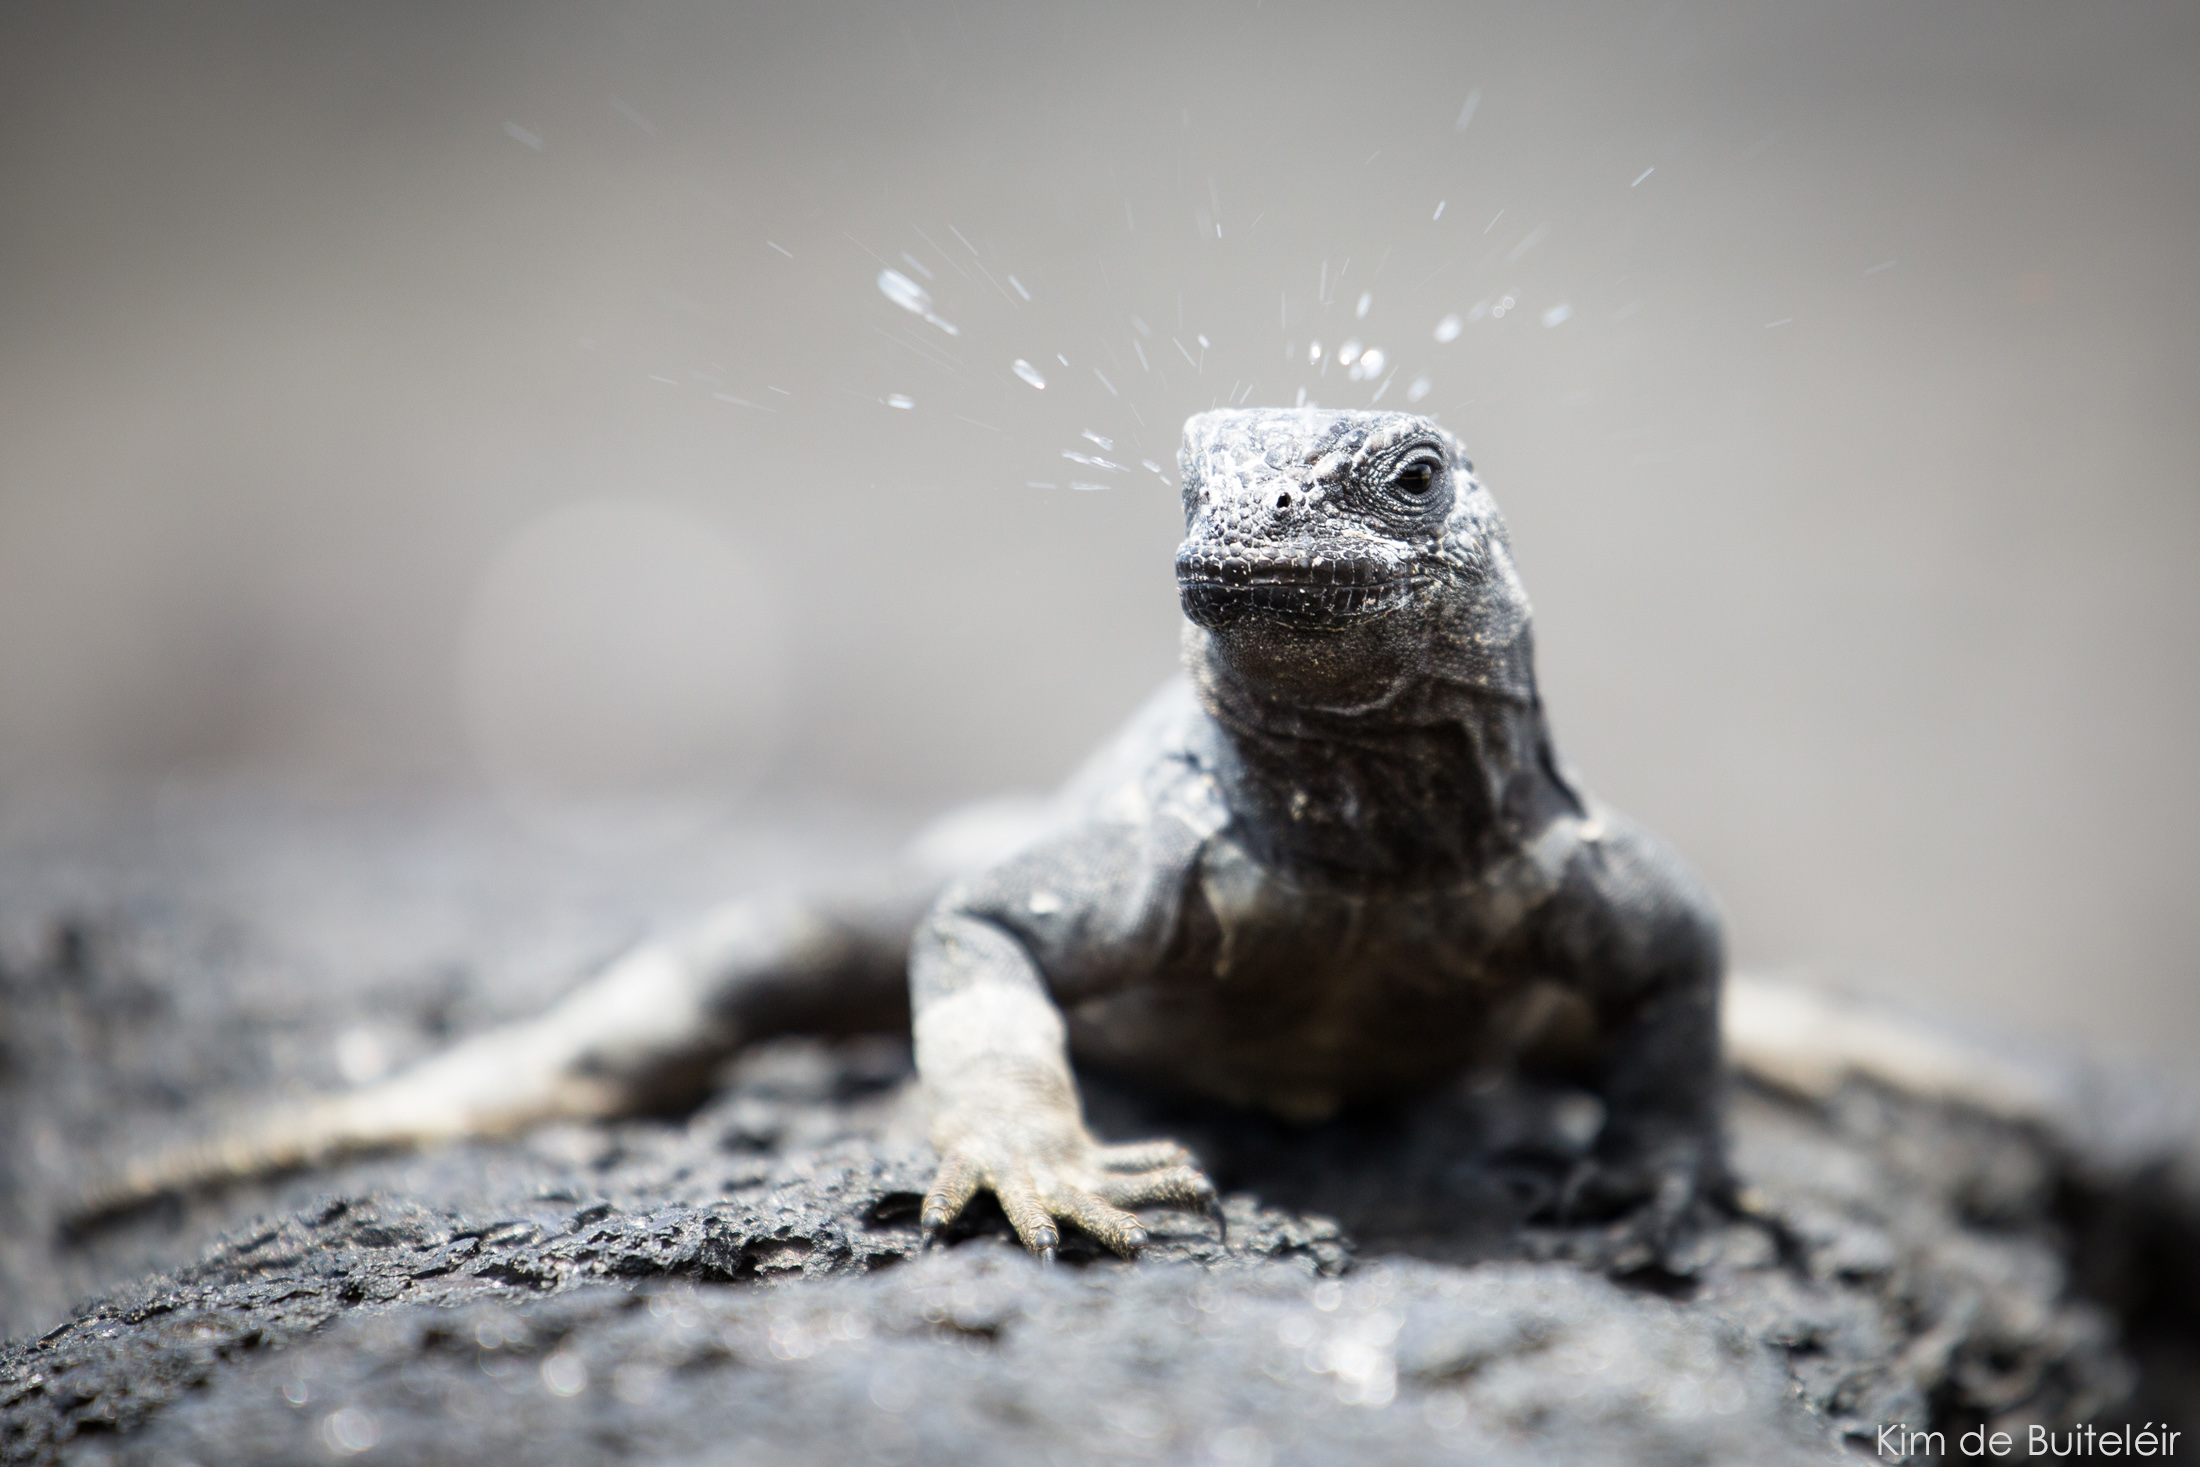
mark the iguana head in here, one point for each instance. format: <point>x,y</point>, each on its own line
<point>1348,549</point>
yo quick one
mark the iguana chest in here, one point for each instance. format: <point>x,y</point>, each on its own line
<point>1298,997</point>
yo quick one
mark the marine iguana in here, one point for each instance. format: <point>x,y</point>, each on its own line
<point>1341,860</point>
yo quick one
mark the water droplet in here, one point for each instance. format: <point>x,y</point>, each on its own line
<point>912,297</point>
<point>900,400</point>
<point>1367,299</point>
<point>1448,328</point>
<point>1012,280</point>
<point>1093,463</point>
<point>350,1431</point>
<point>1029,373</point>
<point>1371,361</point>
<point>1418,390</point>
<point>1204,343</point>
<point>564,1374</point>
<point>904,292</point>
<point>1080,484</point>
<point>1091,437</point>
<point>1062,359</point>
<point>1348,353</point>
<point>1313,352</point>
<point>1559,314</point>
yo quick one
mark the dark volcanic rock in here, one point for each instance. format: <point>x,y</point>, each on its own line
<point>744,1284</point>
<point>977,1355</point>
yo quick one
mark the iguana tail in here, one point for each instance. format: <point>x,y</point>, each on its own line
<point>1809,1042</point>
<point>643,1034</point>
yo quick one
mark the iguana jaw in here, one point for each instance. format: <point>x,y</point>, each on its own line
<point>1308,585</point>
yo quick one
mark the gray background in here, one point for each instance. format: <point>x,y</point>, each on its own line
<point>493,400</point>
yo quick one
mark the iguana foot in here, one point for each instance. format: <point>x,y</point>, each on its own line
<point>1075,1179</point>
<point>1658,1192</point>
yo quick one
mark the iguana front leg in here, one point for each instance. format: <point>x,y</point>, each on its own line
<point>991,1051</point>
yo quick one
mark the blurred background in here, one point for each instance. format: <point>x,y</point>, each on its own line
<point>551,404</point>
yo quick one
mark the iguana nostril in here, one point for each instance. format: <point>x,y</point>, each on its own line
<point>1283,501</point>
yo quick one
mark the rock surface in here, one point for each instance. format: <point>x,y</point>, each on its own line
<point>745,1284</point>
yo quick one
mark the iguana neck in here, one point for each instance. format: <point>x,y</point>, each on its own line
<point>1433,783</point>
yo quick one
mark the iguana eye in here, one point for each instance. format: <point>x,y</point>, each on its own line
<point>1417,478</point>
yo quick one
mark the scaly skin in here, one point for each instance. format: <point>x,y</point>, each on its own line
<point>1345,863</point>
<point>1341,861</point>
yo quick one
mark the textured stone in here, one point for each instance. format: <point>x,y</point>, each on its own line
<point>744,1283</point>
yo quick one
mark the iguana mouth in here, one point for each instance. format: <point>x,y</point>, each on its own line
<point>1306,587</point>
